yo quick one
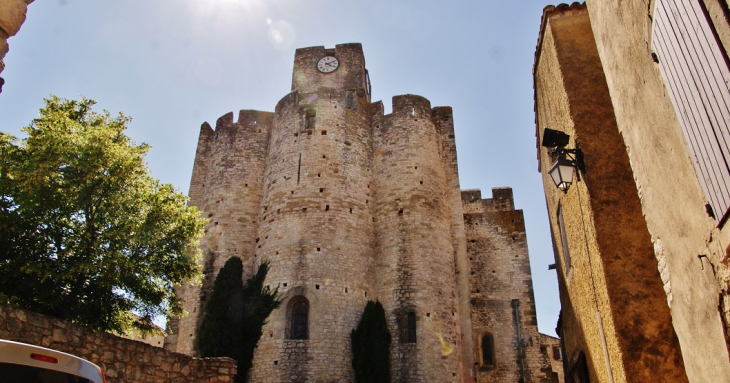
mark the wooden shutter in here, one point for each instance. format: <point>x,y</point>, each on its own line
<point>696,76</point>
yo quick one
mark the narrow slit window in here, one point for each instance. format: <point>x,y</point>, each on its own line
<point>411,327</point>
<point>407,327</point>
<point>487,346</point>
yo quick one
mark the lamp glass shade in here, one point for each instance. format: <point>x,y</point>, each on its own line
<point>561,172</point>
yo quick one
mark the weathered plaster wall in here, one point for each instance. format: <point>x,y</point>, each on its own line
<point>122,360</point>
<point>671,197</point>
<point>12,16</point>
<point>612,266</point>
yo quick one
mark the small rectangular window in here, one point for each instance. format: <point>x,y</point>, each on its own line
<point>556,353</point>
<point>563,238</point>
<point>309,123</point>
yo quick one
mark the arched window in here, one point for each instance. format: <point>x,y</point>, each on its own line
<point>487,349</point>
<point>299,318</point>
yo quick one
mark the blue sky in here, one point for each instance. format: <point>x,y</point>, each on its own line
<point>173,64</point>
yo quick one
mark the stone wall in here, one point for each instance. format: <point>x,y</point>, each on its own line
<point>347,205</point>
<point>122,360</point>
<point>552,355</point>
<point>502,298</point>
<point>12,16</point>
<point>316,228</point>
<point>415,251</point>
<point>226,185</point>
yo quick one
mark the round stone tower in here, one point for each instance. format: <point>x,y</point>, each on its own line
<point>316,222</point>
<point>415,253</point>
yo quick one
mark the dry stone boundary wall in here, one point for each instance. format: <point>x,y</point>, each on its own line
<point>122,360</point>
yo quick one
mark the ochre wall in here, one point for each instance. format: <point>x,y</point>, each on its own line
<point>613,269</point>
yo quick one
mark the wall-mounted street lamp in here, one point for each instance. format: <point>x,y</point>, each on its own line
<point>566,162</point>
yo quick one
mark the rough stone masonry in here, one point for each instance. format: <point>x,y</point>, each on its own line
<point>347,205</point>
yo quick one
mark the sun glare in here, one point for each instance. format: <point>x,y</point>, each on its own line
<point>226,7</point>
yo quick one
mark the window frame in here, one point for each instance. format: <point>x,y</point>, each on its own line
<point>296,303</point>
<point>563,239</point>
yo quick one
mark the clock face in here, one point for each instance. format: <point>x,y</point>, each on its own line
<point>327,64</point>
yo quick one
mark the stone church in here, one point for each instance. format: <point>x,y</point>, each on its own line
<point>348,204</point>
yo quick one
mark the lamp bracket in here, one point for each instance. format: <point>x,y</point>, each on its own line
<point>574,155</point>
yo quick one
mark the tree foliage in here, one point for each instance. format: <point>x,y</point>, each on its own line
<point>86,234</point>
<point>371,346</point>
<point>236,314</point>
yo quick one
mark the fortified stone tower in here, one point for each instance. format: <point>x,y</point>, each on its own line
<point>347,205</point>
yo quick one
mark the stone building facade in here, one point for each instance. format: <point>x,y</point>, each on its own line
<point>348,204</point>
<point>12,16</point>
<point>641,242</point>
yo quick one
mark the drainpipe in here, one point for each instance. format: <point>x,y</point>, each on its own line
<point>605,349</point>
<point>520,351</point>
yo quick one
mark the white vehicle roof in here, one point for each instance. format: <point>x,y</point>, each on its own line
<point>29,355</point>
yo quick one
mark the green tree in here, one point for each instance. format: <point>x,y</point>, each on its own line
<point>236,314</point>
<point>371,346</point>
<point>86,234</point>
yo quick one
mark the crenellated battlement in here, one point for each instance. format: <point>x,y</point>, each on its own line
<point>411,104</point>
<point>502,200</point>
<point>247,119</point>
<point>406,107</point>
